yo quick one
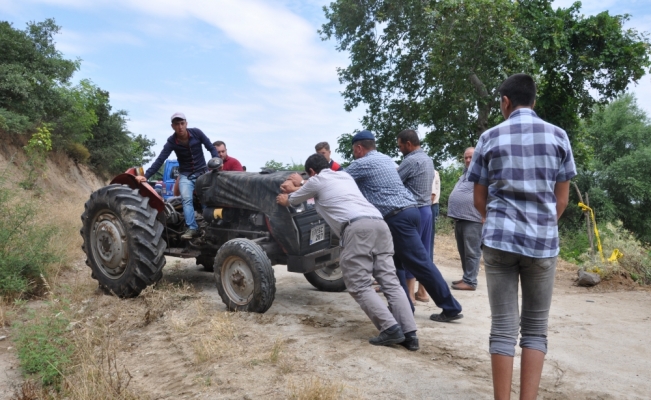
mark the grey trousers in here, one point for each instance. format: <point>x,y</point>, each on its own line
<point>468,235</point>
<point>503,271</point>
<point>367,254</point>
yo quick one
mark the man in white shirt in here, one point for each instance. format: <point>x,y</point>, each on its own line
<point>367,247</point>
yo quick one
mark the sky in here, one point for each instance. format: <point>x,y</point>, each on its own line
<point>254,74</point>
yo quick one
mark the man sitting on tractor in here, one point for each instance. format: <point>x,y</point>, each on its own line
<point>186,143</point>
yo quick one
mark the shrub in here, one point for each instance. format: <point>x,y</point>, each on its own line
<point>43,348</point>
<point>25,249</point>
<point>636,260</point>
<point>78,152</point>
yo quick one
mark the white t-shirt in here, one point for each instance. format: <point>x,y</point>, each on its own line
<point>436,187</point>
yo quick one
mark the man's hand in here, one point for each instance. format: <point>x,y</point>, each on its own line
<point>296,179</point>
<point>288,187</point>
<point>283,200</point>
<point>141,179</point>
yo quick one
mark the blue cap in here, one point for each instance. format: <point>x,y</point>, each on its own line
<point>363,135</point>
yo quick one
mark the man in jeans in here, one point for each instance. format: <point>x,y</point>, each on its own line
<point>522,170</point>
<point>467,227</point>
<point>186,143</point>
<point>367,249</point>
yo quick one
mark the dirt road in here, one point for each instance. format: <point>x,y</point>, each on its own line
<point>191,348</point>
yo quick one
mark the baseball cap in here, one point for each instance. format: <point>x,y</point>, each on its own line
<point>178,115</point>
<point>363,135</point>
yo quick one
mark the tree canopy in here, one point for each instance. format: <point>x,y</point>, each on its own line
<point>437,65</point>
<point>36,90</point>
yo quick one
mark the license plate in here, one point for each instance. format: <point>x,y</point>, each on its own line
<point>317,234</point>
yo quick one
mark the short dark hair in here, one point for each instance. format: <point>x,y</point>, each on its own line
<point>409,135</point>
<point>177,119</point>
<point>219,143</point>
<point>520,89</point>
<point>368,144</point>
<point>317,162</point>
<point>322,145</point>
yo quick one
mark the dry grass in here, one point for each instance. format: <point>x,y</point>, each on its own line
<point>316,388</point>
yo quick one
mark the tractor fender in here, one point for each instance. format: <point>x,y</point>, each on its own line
<point>144,189</point>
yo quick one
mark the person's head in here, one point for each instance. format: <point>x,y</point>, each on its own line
<point>408,141</point>
<point>323,148</point>
<point>467,156</point>
<point>363,142</point>
<point>316,163</point>
<point>517,91</point>
<point>221,149</point>
<point>179,124</point>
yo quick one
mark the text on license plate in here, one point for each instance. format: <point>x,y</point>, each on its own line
<point>317,234</point>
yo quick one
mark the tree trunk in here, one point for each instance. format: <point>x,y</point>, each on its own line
<point>483,103</point>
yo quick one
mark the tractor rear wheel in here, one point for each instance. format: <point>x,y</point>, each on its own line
<point>123,240</point>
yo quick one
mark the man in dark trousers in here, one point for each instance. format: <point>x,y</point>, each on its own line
<point>186,143</point>
<point>378,180</point>
<point>417,173</point>
<point>367,248</point>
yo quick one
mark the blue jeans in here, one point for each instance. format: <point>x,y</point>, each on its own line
<point>435,216</point>
<point>425,231</point>
<point>186,187</point>
<point>411,255</point>
<point>503,271</point>
<point>468,236</point>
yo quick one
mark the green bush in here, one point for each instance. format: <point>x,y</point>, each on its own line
<point>43,348</point>
<point>25,250</point>
<point>574,244</point>
<point>78,152</point>
<point>636,259</point>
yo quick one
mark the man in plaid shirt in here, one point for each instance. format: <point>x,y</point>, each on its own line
<point>522,170</point>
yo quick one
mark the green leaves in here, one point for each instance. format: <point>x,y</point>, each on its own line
<point>438,64</point>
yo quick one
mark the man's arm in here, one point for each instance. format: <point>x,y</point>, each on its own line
<point>480,196</point>
<point>167,150</point>
<point>207,144</point>
<point>562,193</point>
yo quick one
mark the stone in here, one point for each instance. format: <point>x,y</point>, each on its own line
<point>587,278</point>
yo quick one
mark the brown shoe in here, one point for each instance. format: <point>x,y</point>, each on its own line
<point>463,286</point>
<point>457,282</point>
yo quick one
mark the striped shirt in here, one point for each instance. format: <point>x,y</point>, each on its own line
<point>521,160</point>
<point>379,182</point>
<point>417,173</point>
<point>461,203</point>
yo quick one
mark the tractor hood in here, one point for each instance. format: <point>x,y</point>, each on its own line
<point>252,191</point>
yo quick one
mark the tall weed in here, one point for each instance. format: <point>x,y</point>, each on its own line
<point>25,244</point>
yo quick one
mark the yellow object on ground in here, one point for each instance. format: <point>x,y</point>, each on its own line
<point>616,253</point>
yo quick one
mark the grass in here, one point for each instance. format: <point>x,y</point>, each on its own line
<point>316,388</point>
<point>44,350</point>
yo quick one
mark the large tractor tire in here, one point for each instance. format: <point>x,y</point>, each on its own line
<point>327,279</point>
<point>244,277</point>
<point>122,240</point>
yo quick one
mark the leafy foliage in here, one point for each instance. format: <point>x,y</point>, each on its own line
<point>278,166</point>
<point>438,64</point>
<point>35,89</point>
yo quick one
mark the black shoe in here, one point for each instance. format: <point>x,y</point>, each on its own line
<point>444,318</point>
<point>411,343</point>
<point>389,336</point>
<point>190,234</point>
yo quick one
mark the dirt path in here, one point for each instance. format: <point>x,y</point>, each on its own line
<point>191,348</point>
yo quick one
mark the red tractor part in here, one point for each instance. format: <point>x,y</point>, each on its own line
<point>129,178</point>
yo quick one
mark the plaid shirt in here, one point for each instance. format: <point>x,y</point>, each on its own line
<point>417,173</point>
<point>520,160</point>
<point>379,182</point>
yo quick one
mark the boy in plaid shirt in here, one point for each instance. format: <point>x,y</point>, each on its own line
<point>522,170</point>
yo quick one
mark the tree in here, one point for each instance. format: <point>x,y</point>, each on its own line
<point>438,64</point>
<point>278,166</point>
<point>620,134</point>
<point>31,70</point>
